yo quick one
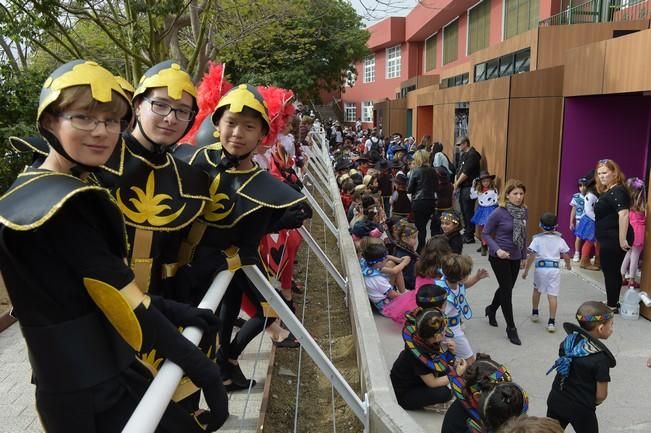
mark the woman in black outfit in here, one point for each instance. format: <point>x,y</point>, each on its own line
<point>612,228</point>
<point>422,187</point>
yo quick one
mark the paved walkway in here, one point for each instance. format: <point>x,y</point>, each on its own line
<point>627,408</point>
<point>17,409</point>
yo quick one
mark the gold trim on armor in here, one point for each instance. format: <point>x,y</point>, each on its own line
<point>141,261</point>
<point>118,306</point>
<point>120,169</point>
<point>190,243</point>
<point>54,208</point>
<point>233,260</point>
<point>234,223</point>
<point>185,389</point>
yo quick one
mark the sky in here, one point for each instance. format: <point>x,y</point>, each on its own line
<point>376,10</point>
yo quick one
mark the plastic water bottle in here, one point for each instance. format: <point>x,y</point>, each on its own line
<point>630,306</point>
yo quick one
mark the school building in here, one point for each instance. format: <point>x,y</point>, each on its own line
<point>543,88</point>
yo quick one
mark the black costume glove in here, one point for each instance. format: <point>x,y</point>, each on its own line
<point>162,335</point>
<point>292,218</point>
<point>186,315</point>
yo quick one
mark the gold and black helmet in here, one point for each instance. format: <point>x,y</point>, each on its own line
<point>126,85</point>
<point>244,95</point>
<point>79,73</point>
<point>170,75</point>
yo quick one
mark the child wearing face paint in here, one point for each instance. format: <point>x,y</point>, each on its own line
<point>546,250</point>
<point>582,369</point>
<point>451,226</point>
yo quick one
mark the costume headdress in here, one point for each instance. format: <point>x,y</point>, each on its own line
<point>211,89</point>
<point>167,74</point>
<point>103,87</point>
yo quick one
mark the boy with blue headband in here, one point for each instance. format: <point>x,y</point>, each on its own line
<point>582,369</point>
<point>546,250</point>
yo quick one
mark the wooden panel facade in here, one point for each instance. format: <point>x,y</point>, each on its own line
<point>540,83</point>
<point>584,70</point>
<point>524,40</point>
<point>487,132</point>
<point>627,69</point>
<point>534,136</point>
<point>554,40</point>
<point>443,126</point>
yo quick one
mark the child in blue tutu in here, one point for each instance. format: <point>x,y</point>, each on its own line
<point>485,191</point>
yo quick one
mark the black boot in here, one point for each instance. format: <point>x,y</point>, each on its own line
<point>512,333</point>
<point>490,313</point>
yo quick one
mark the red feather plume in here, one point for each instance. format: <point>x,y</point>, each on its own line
<point>280,110</point>
<point>213,86</point>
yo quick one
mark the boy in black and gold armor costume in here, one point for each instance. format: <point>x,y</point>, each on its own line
<point>247,202</point>
<point>62,255</point>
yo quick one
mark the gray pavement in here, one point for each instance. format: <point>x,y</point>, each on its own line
<point>17,409</point>
<point>627,409</point>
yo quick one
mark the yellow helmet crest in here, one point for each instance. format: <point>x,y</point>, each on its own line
<point>167,74</point>
<point>244,95</point>
<point>78,73</point>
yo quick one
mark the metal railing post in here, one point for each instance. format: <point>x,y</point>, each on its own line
<point>326,197</point>
<point>315,206</point>
<point>359,408</point>
<point>322,256</point>
<point>150,410</point>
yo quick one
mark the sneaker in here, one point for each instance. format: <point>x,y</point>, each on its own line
<point>577,257</point>
<point>535,317</point>
<point>551,327</point>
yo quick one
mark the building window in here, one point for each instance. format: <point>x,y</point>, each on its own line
<point>367,111</point>
<point>430,53</point>
<point>479,26</point>
<point>350,112</point>
<point>513,63</point>
<point>450,42</point>
<point>457,80</point>
<point>369,69</point>
<point>393,62</point>
<point>520,16</point>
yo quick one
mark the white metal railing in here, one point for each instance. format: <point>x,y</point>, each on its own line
<point>150,410</point>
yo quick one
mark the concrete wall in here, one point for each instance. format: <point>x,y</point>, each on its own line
<point>599,127</point>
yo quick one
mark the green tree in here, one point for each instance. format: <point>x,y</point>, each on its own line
<point>310,48</point>
<point>18,117</point>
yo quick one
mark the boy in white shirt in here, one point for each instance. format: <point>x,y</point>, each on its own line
<point>546,250</point>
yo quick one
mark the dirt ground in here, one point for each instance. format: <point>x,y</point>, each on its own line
<point>4,298</point>
<point>315,406</point>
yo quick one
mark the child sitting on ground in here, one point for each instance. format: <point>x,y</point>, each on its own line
<point>451,227</point>
<point>419,374</point>
<point>382,275</point>
<point>546,250</point>
<point>426,297</point>
<point>502,403</point>
<point>480,377</point>
<point>582,370</point>
<point>405,245</point>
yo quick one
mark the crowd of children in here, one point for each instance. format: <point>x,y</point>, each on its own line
<point>427,294</point>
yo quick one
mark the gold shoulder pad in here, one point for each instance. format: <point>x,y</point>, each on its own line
<point>117,306</point>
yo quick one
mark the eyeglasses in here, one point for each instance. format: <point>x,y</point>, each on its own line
<point>163,109</point>
<point>87,123</point>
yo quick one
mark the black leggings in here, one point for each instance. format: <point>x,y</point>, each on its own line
<point>612,257</point>
<point>423,211</point>
<point>228,311</point>
<point>419,397</point>
<point>583,420</point>
<point>506,271</point>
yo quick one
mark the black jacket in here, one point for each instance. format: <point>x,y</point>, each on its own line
<point>423,184</point>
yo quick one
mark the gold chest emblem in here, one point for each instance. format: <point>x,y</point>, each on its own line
<point>213,212</point>
<point>148,205</point>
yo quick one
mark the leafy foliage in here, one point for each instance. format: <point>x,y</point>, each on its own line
<point>19,105</point>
